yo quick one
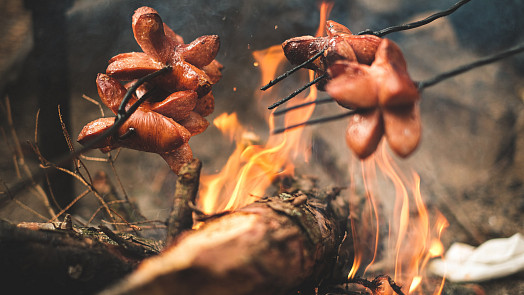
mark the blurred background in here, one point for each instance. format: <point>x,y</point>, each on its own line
<point>471,159</point>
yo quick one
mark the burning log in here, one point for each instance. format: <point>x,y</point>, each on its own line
<point>273,246</point>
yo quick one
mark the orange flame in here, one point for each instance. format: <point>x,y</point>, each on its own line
<point>325,11</point>
<point>251,168</point>
<point>412,240</point>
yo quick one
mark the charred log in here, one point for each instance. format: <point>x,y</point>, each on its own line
<point>273,246</point>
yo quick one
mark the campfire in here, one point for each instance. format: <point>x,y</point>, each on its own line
<point>325,198</point>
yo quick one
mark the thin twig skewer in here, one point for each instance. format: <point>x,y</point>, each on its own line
<point>416,24</point>
<point>317,121</point>
<point>379,33</point>
<point>464,68</point>
<point>298,106</point>
<point>298,91</point>
<point>421,85</point>
<point>286,74</point>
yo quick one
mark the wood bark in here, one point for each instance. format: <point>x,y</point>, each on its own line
<point>42,259</point>
<point>181,216</point>
<point>274,246</point>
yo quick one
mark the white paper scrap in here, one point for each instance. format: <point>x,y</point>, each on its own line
<point>493,259</point>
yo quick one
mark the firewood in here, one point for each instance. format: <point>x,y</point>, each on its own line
<point>276,245</point>
<point>55,258</point>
